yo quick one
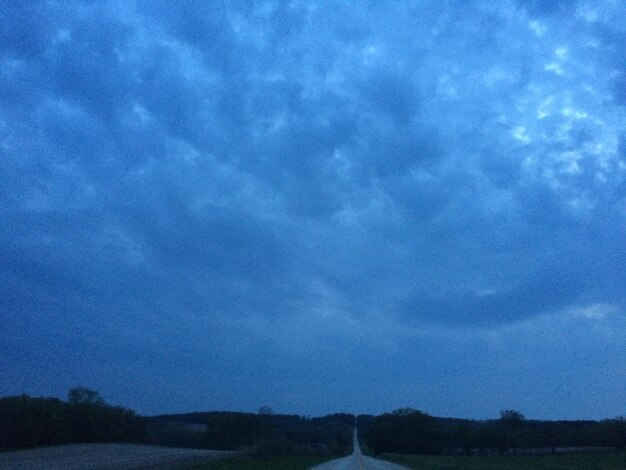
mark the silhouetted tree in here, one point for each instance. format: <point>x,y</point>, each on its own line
<point>615,429</point>
<point>31,422</point>
<point>511,421</point>
<point>84,396</point>
<point>406,431</point>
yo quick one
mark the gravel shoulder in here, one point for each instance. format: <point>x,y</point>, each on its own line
<point>104,457</point>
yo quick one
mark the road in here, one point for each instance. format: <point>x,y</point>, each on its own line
<point>358,461</point>
<point>103,457</point>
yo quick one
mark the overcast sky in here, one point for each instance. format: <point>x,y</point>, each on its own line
<point>316,206</point>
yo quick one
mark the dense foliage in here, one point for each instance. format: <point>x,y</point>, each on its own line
<point>226,430</point>
<point>407,431</point>
<point>330,434</point>
<point>85,417</point>
<point>264,433</point>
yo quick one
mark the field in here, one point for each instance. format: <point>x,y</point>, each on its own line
<point>587,461</point>
<point>262,463</point>
<point>105,457</point>
<point>142,457</point>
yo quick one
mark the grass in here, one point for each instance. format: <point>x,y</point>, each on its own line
<point>576,461</point>
<point>283,462</point>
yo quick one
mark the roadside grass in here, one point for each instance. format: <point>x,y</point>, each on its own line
<point>574,461</point>
<point>283,462</point>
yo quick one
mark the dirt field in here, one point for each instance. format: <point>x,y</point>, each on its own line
<point>104,457</point>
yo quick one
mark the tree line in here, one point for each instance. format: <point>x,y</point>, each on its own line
<point>408,431</point>
<point>263,433</point>
<point>85,417</point>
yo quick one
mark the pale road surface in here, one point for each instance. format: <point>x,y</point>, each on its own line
<point>104,457</point>
<point>358,461</point>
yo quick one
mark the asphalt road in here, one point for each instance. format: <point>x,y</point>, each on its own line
<point>358,461</point>
<point>103,457</point>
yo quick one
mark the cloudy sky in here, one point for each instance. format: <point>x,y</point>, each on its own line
<point>316,206</point>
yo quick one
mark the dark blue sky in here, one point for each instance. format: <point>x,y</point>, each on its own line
<point>316,206</point>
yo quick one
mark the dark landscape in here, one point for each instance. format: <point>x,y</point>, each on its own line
<point>312,234</point>
<point>511,441</point>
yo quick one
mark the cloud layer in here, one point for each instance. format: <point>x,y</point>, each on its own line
<point>315,206</point>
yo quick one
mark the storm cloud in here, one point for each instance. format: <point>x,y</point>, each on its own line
<point>315,206</point>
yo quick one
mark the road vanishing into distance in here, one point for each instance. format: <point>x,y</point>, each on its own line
<point>358,461</point>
